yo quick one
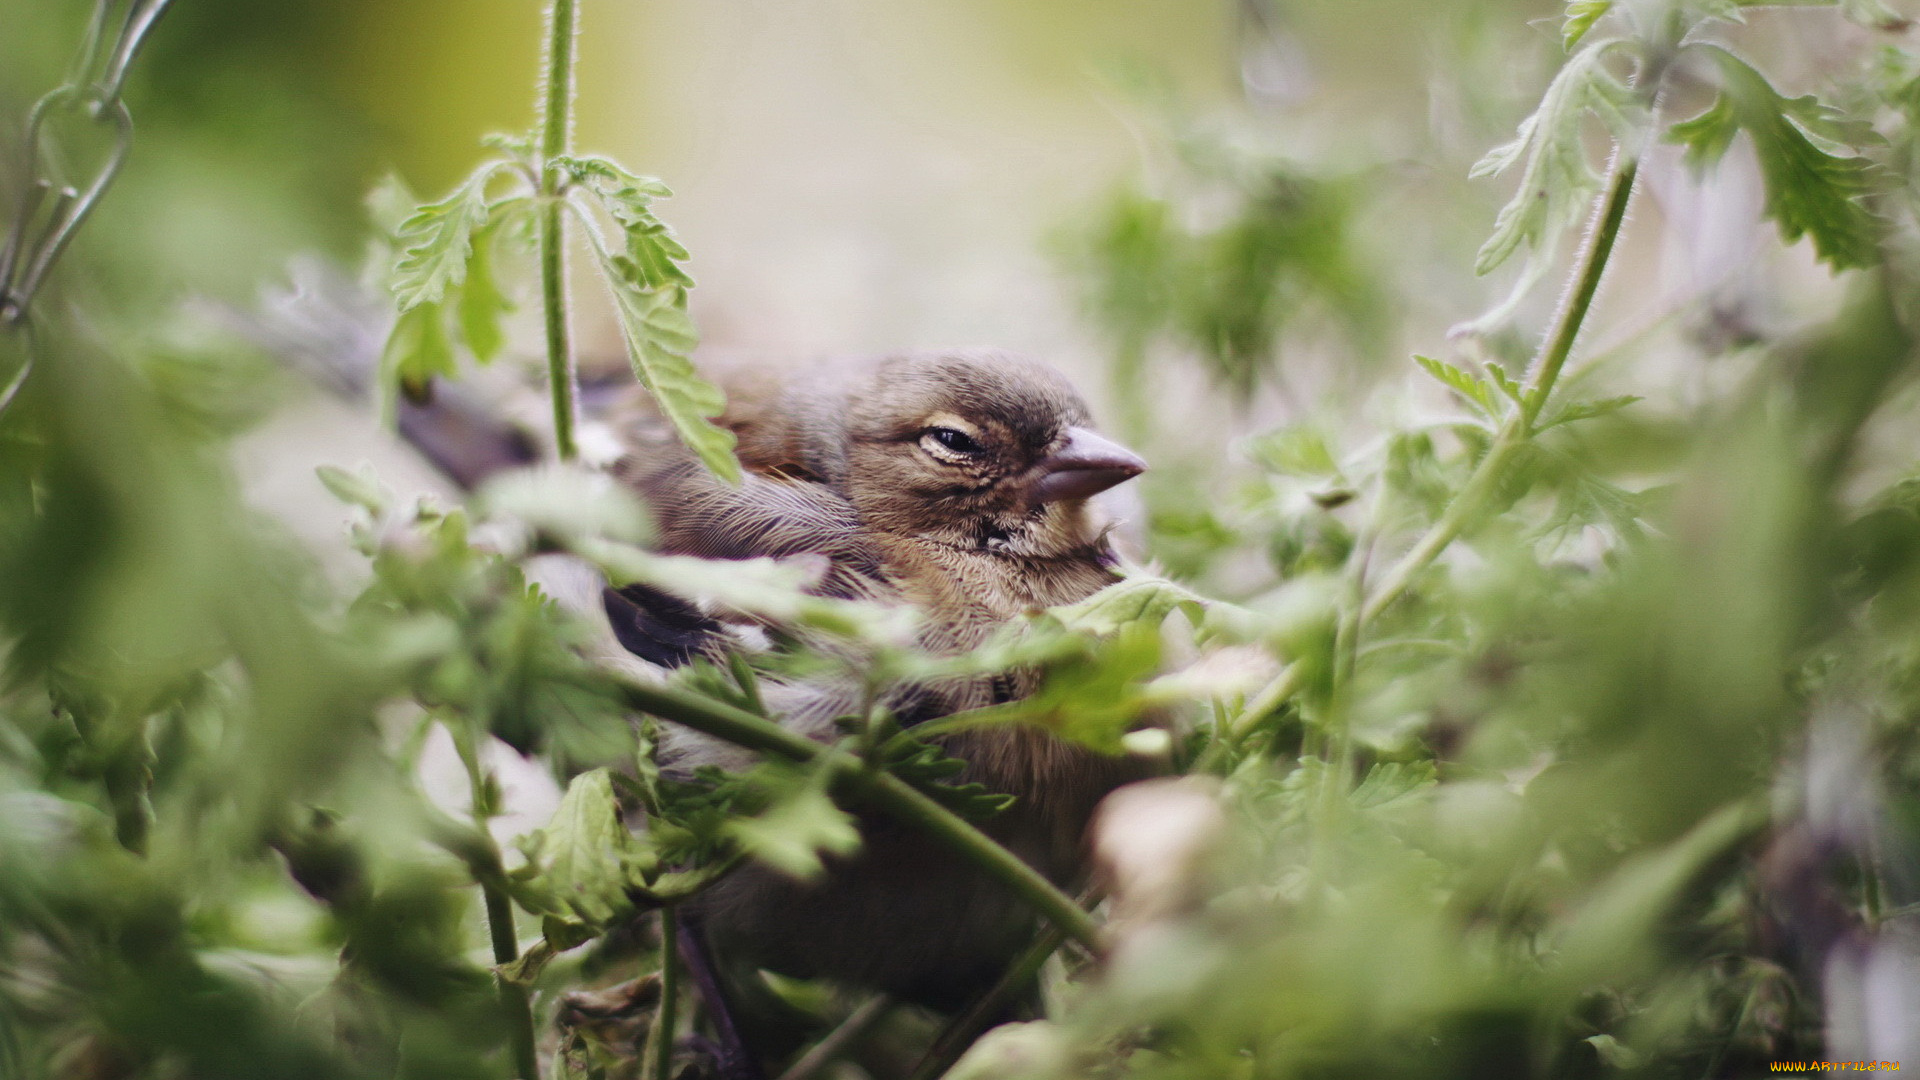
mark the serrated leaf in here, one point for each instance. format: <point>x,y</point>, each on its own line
<point>1581,15</point>
<point>1556,180</point>
<point>481,303</point>
<point>1391,781</point>
<point>1506,383</point>
<point>437,242</point>
<point>791,834</point>
<point>652,254</point>
<point>1587,410</point>
<point>659,334</point>
<point>1813,185</point>
<point>587,857</point>
<point>1708,135</point>
<point>930,769</point>
<point>1472,389</point>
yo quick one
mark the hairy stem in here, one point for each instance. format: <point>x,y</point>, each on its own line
<point>556,128</point>
<point>884,790</point>
<point>1492,470</point>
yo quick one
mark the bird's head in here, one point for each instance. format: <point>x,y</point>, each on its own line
<point>979,450</point>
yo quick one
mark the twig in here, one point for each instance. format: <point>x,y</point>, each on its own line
<point>884,790</point>
<point>828,1050</point>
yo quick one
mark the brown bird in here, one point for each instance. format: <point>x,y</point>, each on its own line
<point>959,483</point>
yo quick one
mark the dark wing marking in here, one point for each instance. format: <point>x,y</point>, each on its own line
<point>659,627</point>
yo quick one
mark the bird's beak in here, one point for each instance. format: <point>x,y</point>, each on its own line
<point>1087,465</point>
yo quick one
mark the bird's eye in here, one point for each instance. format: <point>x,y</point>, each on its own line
<point>951,440</point>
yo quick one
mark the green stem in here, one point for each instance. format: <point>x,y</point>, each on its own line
<point>513,996</point>
<point>828,1050</point>
<point>659,1064</point>
<point>1492,470</point>
<point>483,858</point>
<point>1573,311</point>
<point>884,790</point>
<point>556,127</point>
<point>960,1033</point>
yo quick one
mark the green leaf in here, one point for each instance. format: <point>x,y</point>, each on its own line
<point>1581,15</point>
<point>659,335</point>
<point>355,488</point>
<point>1474,390</point>
<point>1708,135</point>
<point>790,835</point>
<point>1091,695</point>
<point>417,350</point>
<point>1296,451</point>
<point>650,296</point>
<point>1556,181</point>
<point>481,303</point>
<point>588,859</point>
<point>1813,183</point>
<point>1390,781</point>
<point>1138,599</point>
<point>1587,410</point>
<point>651,250</point>
<point>930,769</point>
<point>437,242</point>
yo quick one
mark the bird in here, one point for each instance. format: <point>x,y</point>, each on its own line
<point>959,482</point>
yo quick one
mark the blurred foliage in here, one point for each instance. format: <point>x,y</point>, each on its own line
<point>1565,732</point>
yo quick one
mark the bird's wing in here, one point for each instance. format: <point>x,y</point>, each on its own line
<point>764,516</point>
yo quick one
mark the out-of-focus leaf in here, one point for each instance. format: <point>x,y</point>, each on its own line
<point>359,488</point>
<point>1814,183</point>
<point>1138,599</point>
<point>437,242</point>
<point>1574,411</point>
<point>418,350</point>
<point>1473,390</point>
<point>1295,451</point>
<point>1580,17</point>
<point>1556,181</point>
<point>482,304</point>
<point>568,503</point>
<point>587,857</point>
<point>791,835</point>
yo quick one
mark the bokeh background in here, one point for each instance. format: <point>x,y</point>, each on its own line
<point>855,175</point>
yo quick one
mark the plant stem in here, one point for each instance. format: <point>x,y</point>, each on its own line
<point>483,857</point>
<point>1491,472</point>
<point>513,996</point>
<point>556,128</point>
<point>829,1049</point>
<point>884,790</point>
<point>1574,309</point>
<point>660,1039</point>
